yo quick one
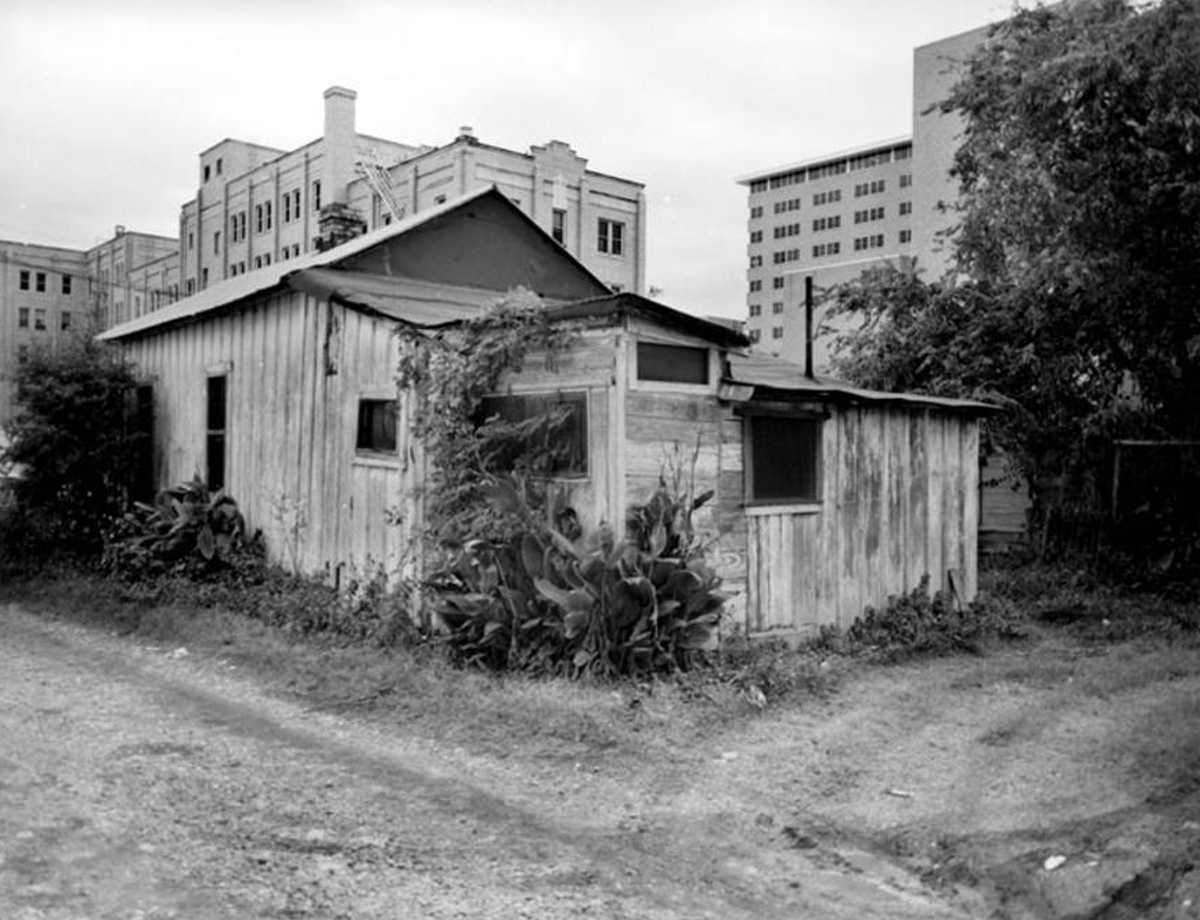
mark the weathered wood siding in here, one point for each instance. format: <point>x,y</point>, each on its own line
<point>899,499</point>
<point>296,369</point>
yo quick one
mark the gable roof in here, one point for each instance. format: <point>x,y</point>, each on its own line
<point>415,248</point>
<point>628,304</point>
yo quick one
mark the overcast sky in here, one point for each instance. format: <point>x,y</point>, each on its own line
<point>105,104</point>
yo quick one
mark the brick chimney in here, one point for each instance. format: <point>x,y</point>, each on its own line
<point>337,221</point>
<point>340,139</point>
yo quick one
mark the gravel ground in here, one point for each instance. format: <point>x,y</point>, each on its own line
<point>139,783</point>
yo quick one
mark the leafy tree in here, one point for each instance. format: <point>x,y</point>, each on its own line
<point>1077,300</point>
<point>69,437</point>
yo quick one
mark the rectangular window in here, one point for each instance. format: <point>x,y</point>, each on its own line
<point>756,211</point>
<point>756,309</point>
<point>610,236</point>
<point>203,278</point>
<point>755,335</point>
<point>24,281</point>
<point>377,425</point>
<point>22,317</point>
<point>777,306</point>
<point>65,320</point>
<point>39,319</point>
<point>22,354</point>
<point>287,207</point>
<point>316,195</point>
<point>755,285</point>
<point>905,208</point>
<point>756,261</point>
<point>777,332</point>
<point>756,236</point>
<point>672,363</point>
<point>41,282</point>
<point>561,444</point>
<point>191,240</point>
<point>215,431</point>
<point>778,283</point>
<point>219,164</point>
<point>217,243</point>
<point>267,214</point>
<point>296,203</point>
<point>558,225</point>
<point>784,459</point>
<point>258,218</point>
<point>66,284</point>
<point>905,236</point>
<point>906,180</point>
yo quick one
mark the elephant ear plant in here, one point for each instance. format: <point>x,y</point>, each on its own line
<point>545,603</point>
<point>187,529</point>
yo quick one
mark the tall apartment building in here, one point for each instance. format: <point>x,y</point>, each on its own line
<point>257,205</point>
<point>830,217</point>
<point>818,223</point>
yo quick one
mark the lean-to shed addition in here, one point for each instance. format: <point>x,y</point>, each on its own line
<point>279,385</point>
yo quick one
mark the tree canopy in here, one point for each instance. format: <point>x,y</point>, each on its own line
<point>1077,294</point>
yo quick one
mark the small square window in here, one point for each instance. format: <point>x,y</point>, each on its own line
<point>377,425</point>
<point>785,456</point>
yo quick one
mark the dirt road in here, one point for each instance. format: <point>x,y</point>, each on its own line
<point>139,784</point>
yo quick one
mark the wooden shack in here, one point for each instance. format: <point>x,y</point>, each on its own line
<point>279,386</point>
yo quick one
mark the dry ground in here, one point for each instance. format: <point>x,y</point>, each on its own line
<point>138,783</point>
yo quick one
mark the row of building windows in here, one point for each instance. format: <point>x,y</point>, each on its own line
<point>874,187</point>
<point>40,320</point>
<point>37,280</point>
<point>756,308</point>
<point>826,249</point>
<point>789,204</point>
<point>756,334</point>
<point>867,215</point>
<point>821,224</point>
<point>785,230</point>
<point>829,197</point>
<point>875,241</point>
<point>786,255</point>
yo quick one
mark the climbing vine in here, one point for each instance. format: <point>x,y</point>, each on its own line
<point>451,372</point>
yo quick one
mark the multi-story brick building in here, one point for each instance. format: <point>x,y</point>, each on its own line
<point>256,205</point>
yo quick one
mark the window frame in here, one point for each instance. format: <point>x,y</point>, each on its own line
<point>216,435</point>
<point>369,400</point>
<point>610,237</point>
<point>580,397</point>
<point>810,500</point>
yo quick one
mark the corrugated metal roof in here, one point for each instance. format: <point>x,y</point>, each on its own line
<point>233,290</point>
<point>416,303</point>
<point>773,373</point>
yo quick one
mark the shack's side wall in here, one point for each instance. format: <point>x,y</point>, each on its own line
<point>682,433</point>
<point>296,368</point>
<point>900,499</point>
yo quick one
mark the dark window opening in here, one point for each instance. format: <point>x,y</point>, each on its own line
<point>558,228</point>
<point>215,433</point>
<point>377,425</point>
<point>672,363</point>
<point>546,432</point>
<point>24,280</point>
<point>142,486</point>
<point>784,459</point>
<point>66,284</point>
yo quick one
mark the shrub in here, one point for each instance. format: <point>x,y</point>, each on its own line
<point>69,438</point>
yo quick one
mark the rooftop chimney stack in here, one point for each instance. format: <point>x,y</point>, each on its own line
<point>340,142</point>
